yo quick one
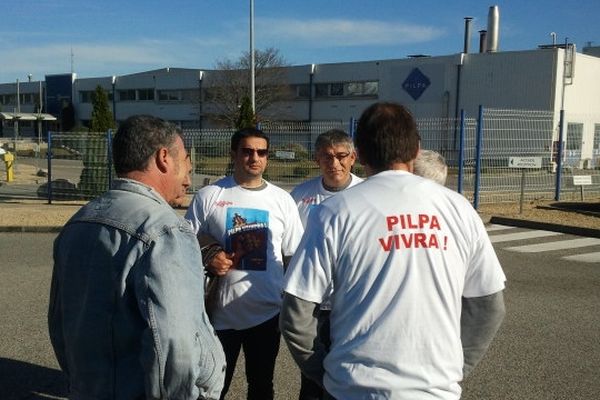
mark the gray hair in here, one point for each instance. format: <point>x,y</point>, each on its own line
<point>431,165</point>
<point>138,138</point>
<point>333,137</point>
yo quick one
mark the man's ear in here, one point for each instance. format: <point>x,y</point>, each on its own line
<point>354,155</point>
<point>162,159</point>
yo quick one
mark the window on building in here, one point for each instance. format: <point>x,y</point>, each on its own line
<point>336,89</point>
<point>322,90</point>
<point>190,95</point>
<point>145,94</point>
<point>7,99</point>
<point>303,91</point>
<point>354,88</point>
<point>26,98</point>
<point>597,138</point>
<point>347,89</point>
<point>371,88</point>
<point>168,95</point>
<point>85,96</point>
<point>127,95</point>
<point>574,136</point>
<point>179,95</point>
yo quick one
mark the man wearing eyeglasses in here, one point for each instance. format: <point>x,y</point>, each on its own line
<point>256,228</point>
<point>335,156</point>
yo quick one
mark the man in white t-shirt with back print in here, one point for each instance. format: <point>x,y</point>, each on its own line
<point>417,288</point>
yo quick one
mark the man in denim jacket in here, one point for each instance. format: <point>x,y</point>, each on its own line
<point>126,315</point>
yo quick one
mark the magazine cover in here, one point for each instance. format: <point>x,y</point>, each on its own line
<point>247,234</point>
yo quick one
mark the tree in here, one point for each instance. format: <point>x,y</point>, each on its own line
<point>102,117</point>
<point>231,85</point>
<point>246,118</point>
<point>94,175</point>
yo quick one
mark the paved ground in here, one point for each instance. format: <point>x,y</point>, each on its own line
<point>547,348</point>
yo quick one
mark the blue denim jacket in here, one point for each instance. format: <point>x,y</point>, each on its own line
<point>126,315</point>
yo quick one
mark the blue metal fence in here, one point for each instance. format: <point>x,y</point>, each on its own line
<point>477,151</point>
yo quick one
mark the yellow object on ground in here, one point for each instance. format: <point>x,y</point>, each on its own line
<point>9,160</point>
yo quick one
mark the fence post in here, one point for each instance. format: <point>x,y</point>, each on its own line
<point>461,152</point>
<point>192,154</point>
<point>49,157</point>
<point>109,156</point>
<point>352,127</point>
<point>478,145</point>
<point>559,154</point>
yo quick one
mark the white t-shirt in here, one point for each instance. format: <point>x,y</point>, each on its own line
<point>401,251</point>
<point>312,192</point>
<point>260,227</point>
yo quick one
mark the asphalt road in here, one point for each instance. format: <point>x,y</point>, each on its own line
<point>547,348</point>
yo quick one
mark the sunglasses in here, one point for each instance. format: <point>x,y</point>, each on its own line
<point>248,152</point>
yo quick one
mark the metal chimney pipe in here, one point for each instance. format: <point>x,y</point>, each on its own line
<point>492,34</point>
<point>482,41</point>
<point>467,44</point>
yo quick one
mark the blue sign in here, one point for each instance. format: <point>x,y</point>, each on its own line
<point>416,83</point>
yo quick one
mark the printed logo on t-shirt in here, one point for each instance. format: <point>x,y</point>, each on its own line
<point>247,232</point>
<point>413,231</point>
<point>312,200</point>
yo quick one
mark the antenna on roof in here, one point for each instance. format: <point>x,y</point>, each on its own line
<point>72,60</point>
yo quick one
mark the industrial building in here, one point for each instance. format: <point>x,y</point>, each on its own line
<point>552,78</point>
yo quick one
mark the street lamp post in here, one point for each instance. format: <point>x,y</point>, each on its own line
<point>252,83</point>
<point>17,116</point>
<point>200,77</point>
<point>310,91</point>
<point>114,103</point>
<point>40,123</point>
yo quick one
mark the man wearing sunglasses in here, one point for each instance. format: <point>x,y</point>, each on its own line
<point>257,228</point>
<point>335,156</point>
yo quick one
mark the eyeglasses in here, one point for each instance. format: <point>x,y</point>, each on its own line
<point>330,157</point>
<point>248,152</point>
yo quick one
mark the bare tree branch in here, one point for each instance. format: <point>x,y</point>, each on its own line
<point>232,84</point>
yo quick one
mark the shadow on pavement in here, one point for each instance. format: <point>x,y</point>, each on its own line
<point>22,380</point>
<point>587,208</point>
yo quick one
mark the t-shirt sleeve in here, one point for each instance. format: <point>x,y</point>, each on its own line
<point>196,212</point>
<point>292,233</point>
<point>484,272</point>
<point>309,273</point>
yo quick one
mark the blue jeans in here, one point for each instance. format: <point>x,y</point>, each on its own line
<point>261,345</point>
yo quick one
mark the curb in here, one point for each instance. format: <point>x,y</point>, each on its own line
<point>30,229</point>
<point>519,223</point>
<point>572,230</point>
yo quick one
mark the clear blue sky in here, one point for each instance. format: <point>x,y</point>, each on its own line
<point>109,37</point>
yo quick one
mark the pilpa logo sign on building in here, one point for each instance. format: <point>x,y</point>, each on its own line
<point>416,83</point>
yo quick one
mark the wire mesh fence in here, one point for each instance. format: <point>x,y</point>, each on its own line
<point>79,166</point>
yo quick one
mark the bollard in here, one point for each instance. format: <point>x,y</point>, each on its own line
<point>9,160</point>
